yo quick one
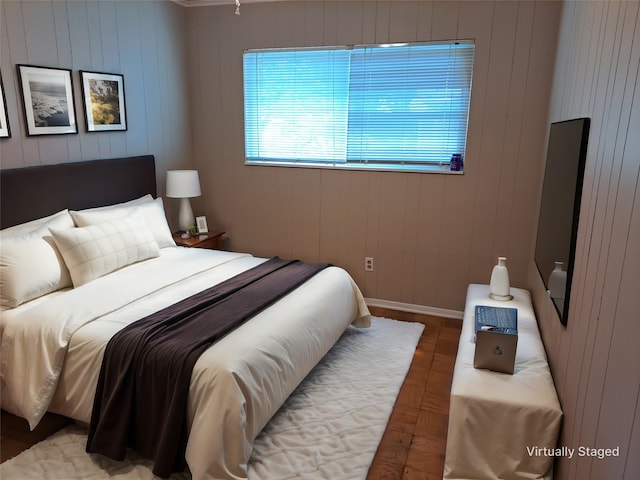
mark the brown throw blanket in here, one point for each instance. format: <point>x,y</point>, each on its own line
<point>141,397</point>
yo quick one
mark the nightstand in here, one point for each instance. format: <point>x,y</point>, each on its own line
<point>212,240</point>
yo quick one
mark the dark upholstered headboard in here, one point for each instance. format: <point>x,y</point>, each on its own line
<point>34,192</point>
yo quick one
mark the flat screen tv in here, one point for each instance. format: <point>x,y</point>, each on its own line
<point>560,209</point>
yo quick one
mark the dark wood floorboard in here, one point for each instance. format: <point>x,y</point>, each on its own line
<point>413,445</point>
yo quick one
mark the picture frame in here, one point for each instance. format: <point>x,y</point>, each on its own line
<point>5,128</point>
<point>47,99</point>
<point>201,223</point>
<point>104,101</point>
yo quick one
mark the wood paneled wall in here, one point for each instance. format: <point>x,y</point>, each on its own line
<point>595,360</point>
<point>144,41</point>
<point>430,234</point>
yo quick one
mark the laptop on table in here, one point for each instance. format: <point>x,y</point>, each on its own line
<point>496,338</point>
<point>495,350</point>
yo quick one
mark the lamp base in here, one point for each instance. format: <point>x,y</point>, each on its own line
<point>185,218</point>
<point>501,298</point>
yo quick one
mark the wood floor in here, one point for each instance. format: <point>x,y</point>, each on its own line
<point>413,444</point>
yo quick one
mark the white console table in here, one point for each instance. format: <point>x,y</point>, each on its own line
<point>496,419</point>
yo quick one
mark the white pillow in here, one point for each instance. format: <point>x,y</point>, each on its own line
<point>59,220</point>
<point>136,201</point>
<point>30,266</point>
<point>152,213</point>
<point>93,251</point>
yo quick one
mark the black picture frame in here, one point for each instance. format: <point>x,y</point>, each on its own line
<point>47,99</point>
<point>5,128</point>
<point>104,101</point>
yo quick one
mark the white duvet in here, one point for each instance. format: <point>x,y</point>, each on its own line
<point>52,349</point>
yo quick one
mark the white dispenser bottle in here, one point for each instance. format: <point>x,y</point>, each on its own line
<point>499,286</point>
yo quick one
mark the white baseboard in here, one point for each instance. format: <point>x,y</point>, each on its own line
<point>408,307</point>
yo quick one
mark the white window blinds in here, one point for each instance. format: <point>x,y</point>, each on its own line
<point>390,107</point>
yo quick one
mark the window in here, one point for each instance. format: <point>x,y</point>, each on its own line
<point>384,107</point>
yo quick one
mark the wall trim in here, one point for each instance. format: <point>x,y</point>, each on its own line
<point>411,308</point>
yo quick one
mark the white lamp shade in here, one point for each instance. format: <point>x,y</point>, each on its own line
<point>183,184</point>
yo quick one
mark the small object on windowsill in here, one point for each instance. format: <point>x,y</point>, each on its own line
<point>456,162</point>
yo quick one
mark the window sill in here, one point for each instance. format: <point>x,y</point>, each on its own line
<point>440,169</point>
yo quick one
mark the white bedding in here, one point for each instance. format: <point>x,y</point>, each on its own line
<point>52,348</point>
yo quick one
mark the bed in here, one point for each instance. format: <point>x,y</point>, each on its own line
<point>54,333</point>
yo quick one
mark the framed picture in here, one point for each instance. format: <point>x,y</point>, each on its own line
<point>201,222</point>
<point>103,97</point>
<point>5,131</point>
<point>47,96</point>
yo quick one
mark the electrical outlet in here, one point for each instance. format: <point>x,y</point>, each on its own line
<point>368,264</point>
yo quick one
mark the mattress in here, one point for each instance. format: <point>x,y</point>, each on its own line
<point>53,346</point>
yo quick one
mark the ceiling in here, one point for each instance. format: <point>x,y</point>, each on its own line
<point>200,3</point>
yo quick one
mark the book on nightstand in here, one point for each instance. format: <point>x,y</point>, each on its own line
<point>496,319</point>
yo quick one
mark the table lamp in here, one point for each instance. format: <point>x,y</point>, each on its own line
<point>183,184</point>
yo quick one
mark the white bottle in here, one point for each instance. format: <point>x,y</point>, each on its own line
<point>557,282</point>
<point>499,286</point>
